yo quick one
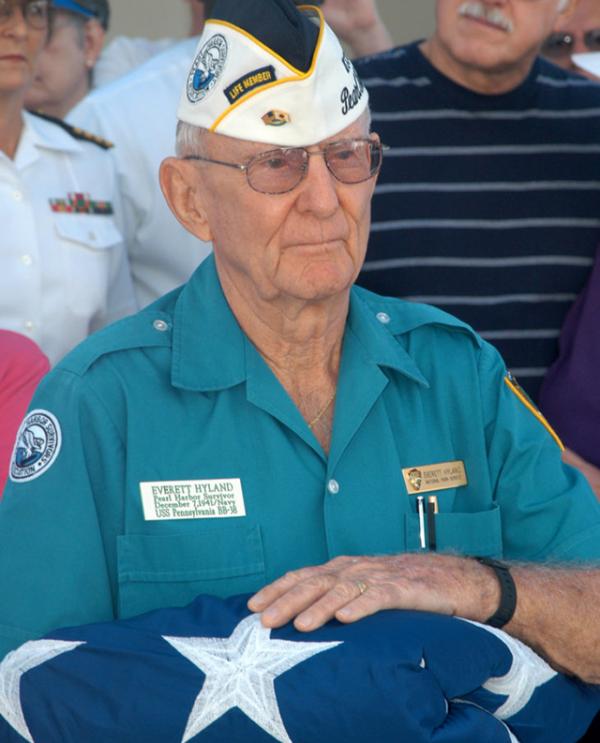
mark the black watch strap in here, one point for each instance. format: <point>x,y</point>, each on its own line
<point>508,592</point>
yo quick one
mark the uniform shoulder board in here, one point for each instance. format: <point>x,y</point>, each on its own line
<point>75,131</point>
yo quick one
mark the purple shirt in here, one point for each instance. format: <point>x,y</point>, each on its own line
<point>570,395</point>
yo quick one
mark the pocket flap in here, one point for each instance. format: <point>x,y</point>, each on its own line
<point>207,554</point>
<point>477,534</point>
<point>93,231</point>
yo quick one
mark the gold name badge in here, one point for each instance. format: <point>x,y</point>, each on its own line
<point>429,477</point>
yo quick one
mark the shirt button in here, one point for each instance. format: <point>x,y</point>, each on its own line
<point>383,318</point>
<point>26,260</point>
<point>18,195</point>
<point>92,236</point>
<point>160,325</point>
<point>28,325</point>
<point>333,486</point>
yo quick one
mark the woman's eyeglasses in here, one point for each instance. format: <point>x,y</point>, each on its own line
<point>35,12</point>
<point>561,45</point>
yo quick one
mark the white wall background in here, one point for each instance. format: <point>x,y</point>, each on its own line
<point>406,19</point>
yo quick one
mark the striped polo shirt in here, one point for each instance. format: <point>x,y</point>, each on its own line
<point>487,205</point>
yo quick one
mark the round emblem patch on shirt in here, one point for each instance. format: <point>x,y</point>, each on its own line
<point>37,446</point>
<point>207,68</point>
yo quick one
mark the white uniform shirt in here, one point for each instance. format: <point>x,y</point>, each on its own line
<point>138,113</point>
<point>62,275</point>
<point>124,53</point>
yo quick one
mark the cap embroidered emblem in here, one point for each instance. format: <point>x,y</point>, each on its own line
<point>277,118</point>
<point>207,68</point>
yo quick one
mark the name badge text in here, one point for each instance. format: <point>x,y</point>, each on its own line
<point>192,499</point>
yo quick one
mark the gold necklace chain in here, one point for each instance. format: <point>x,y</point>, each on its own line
<point>318,417</point>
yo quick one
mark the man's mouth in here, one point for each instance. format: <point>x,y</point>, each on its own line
<point>490,15</point>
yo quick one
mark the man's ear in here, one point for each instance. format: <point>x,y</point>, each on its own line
<point>93,42</point>
<point>179,184</point>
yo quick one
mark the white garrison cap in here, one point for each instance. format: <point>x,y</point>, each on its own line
<point>268,71</point>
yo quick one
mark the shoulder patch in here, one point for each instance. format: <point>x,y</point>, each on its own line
<point>75,131</point>
<point>516,389</point>
<point>37,446</point>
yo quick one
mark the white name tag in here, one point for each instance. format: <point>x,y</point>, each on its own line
<point>192,499</point>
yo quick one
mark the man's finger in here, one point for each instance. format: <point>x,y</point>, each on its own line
<point>296,599</point>
<point>270,593</point>
<point>343,594</point>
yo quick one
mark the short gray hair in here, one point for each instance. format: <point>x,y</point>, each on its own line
<point>189,139</point>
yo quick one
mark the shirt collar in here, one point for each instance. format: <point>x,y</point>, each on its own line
<point>209,347</point>
<point>39,134</point>
<point>208,343</point>
<point>371,326</point>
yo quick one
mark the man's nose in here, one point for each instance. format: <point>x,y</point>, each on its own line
<point>319,187</point>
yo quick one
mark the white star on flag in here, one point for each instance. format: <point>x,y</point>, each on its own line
<point>527,673</point>
<point>19,661</point>
<point>240,672</point>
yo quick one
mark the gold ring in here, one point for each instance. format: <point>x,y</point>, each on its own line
<point>361,585</point>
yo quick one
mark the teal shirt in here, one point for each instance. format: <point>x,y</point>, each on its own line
<point>178,394</point>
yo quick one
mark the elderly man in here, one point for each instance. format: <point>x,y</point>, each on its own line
<point>268,418</point>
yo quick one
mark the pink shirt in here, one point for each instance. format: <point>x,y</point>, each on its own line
<point>22,365</point>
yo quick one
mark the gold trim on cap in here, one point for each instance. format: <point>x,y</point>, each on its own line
<point>300,75</point>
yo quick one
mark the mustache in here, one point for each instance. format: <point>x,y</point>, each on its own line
<point>493,15</point>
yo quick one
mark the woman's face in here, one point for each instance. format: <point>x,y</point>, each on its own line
<point>23,34</point>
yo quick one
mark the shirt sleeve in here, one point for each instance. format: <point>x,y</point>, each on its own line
<point>56,525</point>
<point>548,510</point>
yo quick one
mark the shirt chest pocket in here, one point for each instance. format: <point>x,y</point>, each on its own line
<point>88,247</point>
<point>474,533</point>
<point>171,570</point>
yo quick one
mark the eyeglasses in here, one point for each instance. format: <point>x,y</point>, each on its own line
<point>281,170</point>
<point>35,12</point>
<point>560,45</point>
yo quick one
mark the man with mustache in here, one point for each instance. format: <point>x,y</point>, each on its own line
<point>487,202</point>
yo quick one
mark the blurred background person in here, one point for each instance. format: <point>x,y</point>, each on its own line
<point>65,70</point>
<point>570,395</point>
<point>63,266</point>
<point>137,113</point>
<point>22,365</point>
<point>487,203</point>
<point>358,24</point>
<point>578,33</point>
<point>125,53</point>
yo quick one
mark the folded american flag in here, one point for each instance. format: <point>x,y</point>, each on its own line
<point>210,672</point>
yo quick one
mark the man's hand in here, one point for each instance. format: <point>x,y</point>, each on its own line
<point>358,24</point>
<point>350,588</point>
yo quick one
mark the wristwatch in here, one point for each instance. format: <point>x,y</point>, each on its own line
<point>508,592</point>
